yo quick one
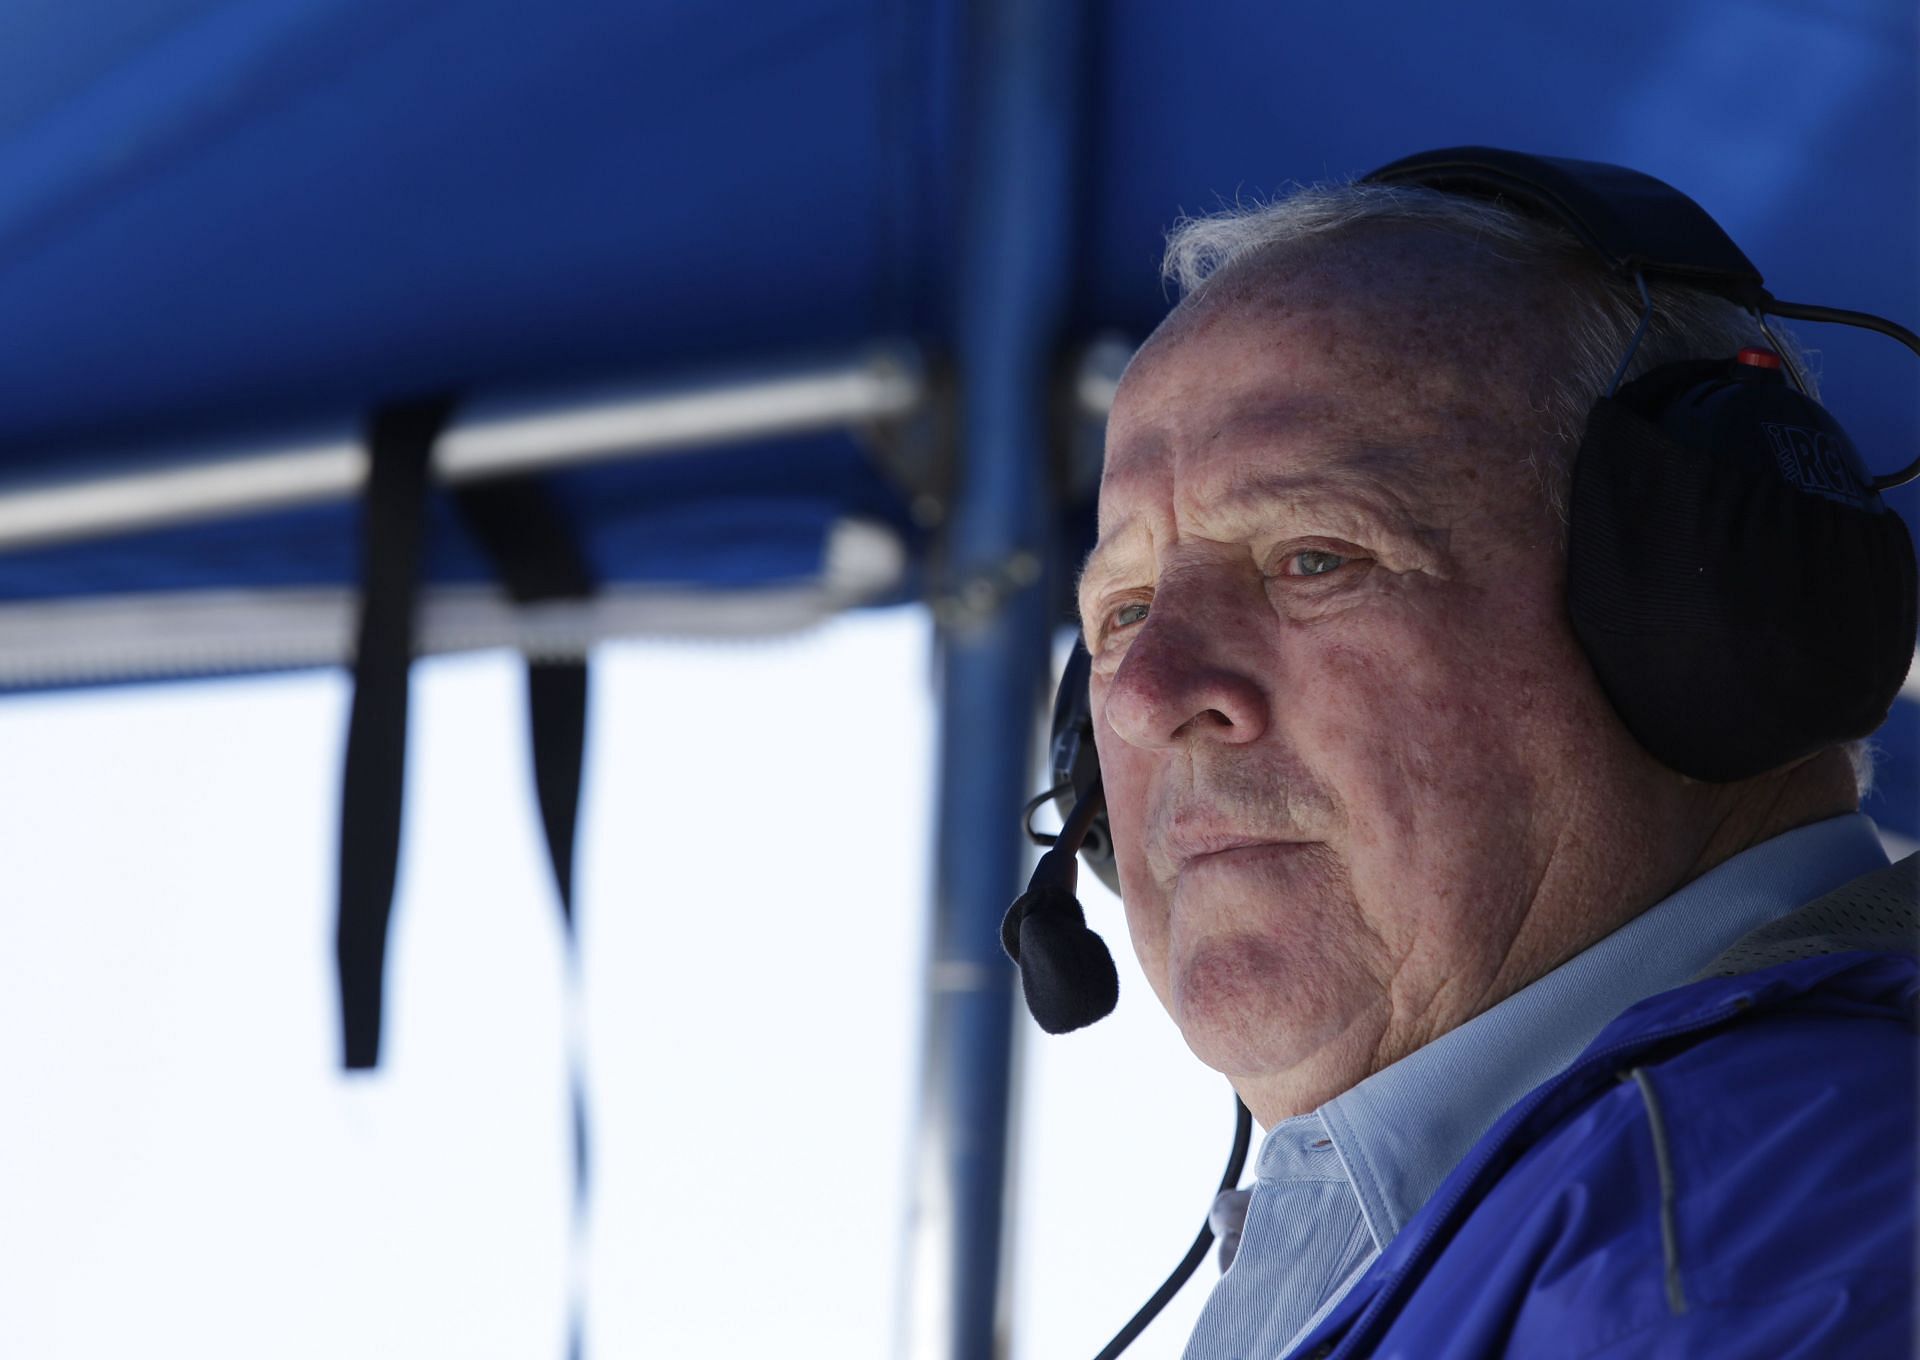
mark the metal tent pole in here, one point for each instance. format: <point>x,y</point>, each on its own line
<point>993,615</point>
<point>489,437</point>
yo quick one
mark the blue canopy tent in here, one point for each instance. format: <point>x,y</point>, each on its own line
<point>790,308</point>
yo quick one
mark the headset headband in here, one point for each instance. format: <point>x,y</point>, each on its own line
<point>1638,225</point>
<point>1634,222</point>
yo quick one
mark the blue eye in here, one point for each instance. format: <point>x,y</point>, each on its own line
<point>1127,615</point>
<point>1316,563</point>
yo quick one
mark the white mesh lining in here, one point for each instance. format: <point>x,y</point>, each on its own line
<point>1879,911</point>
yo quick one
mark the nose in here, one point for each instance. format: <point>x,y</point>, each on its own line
<point>1187,677</point>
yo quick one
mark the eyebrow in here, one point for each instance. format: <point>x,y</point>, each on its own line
<point>1344,473</point>
<point>1096,566</point>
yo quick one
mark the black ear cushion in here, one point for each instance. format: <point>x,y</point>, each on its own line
<point>1744,597</point>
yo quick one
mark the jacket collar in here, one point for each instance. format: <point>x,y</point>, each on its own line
<point>1886,982</point>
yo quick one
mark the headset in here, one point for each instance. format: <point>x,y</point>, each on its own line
<point>1743,593</point>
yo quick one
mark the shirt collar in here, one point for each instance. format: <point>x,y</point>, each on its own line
<point>1399,1132</point>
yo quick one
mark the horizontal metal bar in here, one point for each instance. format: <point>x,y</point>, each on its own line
<point>153,634</point>
<point>489,438</point>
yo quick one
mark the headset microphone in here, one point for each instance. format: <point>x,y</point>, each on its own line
<point>1070,982</point>
<point>1065,969</point>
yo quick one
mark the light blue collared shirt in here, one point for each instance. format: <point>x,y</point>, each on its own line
<point>1333,1187</point>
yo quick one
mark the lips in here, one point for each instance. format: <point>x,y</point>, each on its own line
<point>1194,838</point>
<point>1254,851</point>
<point>1216,845</point>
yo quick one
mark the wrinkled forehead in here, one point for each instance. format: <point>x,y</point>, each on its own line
<point>1397,354</point>
<point>1387,275</point>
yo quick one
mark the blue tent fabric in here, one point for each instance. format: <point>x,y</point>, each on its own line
<point>217,217</point>
<point>287,205</point>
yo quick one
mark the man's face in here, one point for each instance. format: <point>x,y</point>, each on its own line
<point>1346,735</point>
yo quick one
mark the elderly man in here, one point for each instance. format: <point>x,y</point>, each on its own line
<point>1393,864</point>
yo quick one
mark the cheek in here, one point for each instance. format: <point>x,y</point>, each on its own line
<point>1450,739</point>
<point>1420,725</point>
<point>1124,776</point>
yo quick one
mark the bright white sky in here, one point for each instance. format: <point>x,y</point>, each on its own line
<point>184,1171</point>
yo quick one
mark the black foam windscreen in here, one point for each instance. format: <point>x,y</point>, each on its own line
<point>1744,595</point>
<point>1066,971</point>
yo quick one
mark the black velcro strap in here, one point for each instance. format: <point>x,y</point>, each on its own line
<point>538,558</point>
<point>557,709</point>
<point>400,441</point>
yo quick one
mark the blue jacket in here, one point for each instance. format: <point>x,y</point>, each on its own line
<point>1728,1170</point>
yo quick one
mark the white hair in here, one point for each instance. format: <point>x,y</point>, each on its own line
<point>1599,313</point>
<point>1597,317</point>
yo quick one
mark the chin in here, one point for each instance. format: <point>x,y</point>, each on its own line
<point>1251,1008</point>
